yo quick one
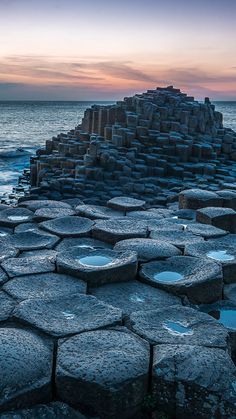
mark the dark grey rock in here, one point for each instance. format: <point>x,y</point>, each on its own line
<point>82,243</point>
<point>26,368</point>
<point>32,240</point>
<point>148,249</point>
<point>5,231</point>
<point>98,267</point>
<point>198,198</point>
<point>49,285</point>
<point>13,216</point>
<point>199,279</point>
<point>206,231</point>
<point>24,227</point>
<point>28,265</point>
<point>134,296</point>
<point>194,382</point>
<point>7,305</point>
<point>110,363</point>
<point>114,230</point>
<point>44,252</point>
<point>68,226</point>
<point>179,325</point>
<point>224,218</point>
<point>67,315</point>
<point>37,204</point>
<point>3,277</point>
<point>177,238</point>
<point>230,293</point>
<point>48,213</point>
<point>125,203</point>
<point>96,212</point>
<point>7,250</point>
<point>53,410</point>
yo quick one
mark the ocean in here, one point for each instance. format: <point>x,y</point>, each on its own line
<point>28,125</point>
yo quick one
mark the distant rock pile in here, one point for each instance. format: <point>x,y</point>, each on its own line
<point>150,145</point>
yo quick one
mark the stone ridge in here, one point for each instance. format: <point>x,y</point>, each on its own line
<point>152,143</point>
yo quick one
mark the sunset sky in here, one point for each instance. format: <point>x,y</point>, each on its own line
<point>100,49</point>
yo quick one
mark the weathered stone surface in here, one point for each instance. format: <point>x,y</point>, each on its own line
<point>230,293</point>
<point>179,325</point>
<point>98,267</point>
<point>28,265</point>
<point>50,285</point>
<point>49,213</point>
<point>125,203</point>
<point>24,227</point>
<point>177,238</point>
<point>7,250</point>
<point>53,410</point>
<point>134,296</point>
<point>5,231</point>
<point>68,226</point>
<point>112,231</point>
<point>148,249</point>
<point>43,252</point>
<point>82,243</point>
<point>110,363</point>
<point>7,305</point>
<point>198,198</point>
<point>224,218</point>
<point>217,251</point>
<point>13,216</point>
<point>3,277</point>
<point>34,205</point>
<point>25,365</point>
<point>194,382</point>
<point>199,279</point>
<point>206,231</point>
<point>68,315</point>
<point>96,212</point>
<point>32,240</point>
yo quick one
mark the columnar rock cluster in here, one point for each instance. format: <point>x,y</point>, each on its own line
<point>153,142</point>
<point>118,310</point>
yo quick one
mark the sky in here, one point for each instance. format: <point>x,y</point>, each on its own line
<point>105,50</point>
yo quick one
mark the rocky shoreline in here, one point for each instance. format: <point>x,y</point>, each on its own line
<point>118,287</point>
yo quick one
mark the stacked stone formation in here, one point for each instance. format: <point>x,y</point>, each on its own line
<point>119,310</point>
<point>151,143</point>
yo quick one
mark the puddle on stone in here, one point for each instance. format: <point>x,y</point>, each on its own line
<point>178,328</point>
<point>18,217</point>
<point>220,255</point>
<point>2,234</point>
<point>168,276</point>
<point>175,217</point>
<point>95,260</point>
<point>226,316</point>
<point>135,298</point>
<point>68,316</point>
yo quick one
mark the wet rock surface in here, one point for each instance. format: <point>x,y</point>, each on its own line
<point>68,226</point>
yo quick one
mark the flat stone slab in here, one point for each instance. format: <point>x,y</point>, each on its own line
<point>146,215</point>
<point>224,218</point>
<point>98,267</point>
<point>81,243</point>
<point>24,227</point>
<point>49,285</point>
<point>198,198</point>
<point>111,363</point>
<point>28,265</point>
<point>125,203</point>
<point>5,231</point>
<point>199,279</point>
<point>193,382</point>
<point>47,213</point>
<point>46,203</point>
<point>7,305</point>
<point>206,231</point>
<point>68,226</point>
<point>43,252</point>
<point>32,240</point>
<point>179,325</point>
<point>13,216</point>
<point>177,238</point>
<point>217,251</point>
<point>96,212</point>
<point>67,315</point>
<point>53,410</point>
<point>148,249</point>
<point>26,368</point>
<point>112,231</point>
<point>134,296</point>
<point>7,250</point>
<point>165,224</point>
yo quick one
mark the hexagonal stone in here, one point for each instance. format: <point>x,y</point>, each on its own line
<point>13,216</point>
<point>134,296</point>
<point>219,252</point>
<point>53,410</point>
<point>198,198</point>
<point>112,231</point>
<point>82,243</point>
<point>50,285</point>
<point>148,249</point>
<point>179,325</point>
<point>224,218</point>
<point>7,305</point>
<point>146,215</point>
<point>166,225</point>
<point>32,240</point>
<point>206,231</point>
<point>3,277</point>
<point>177,238</point>
<point>111,363</point>
<point>67,315</point>
<point>7,250</point>
<point>99,266</point>
<point>68,226</point>
<point>46,203</point>
<point>28,265</point>
<point>199,279</point>
<point>26,368</point>
<point>43,252</point>
<point>193,382</point>
<point>5,231</point>
<point>24,227</point>
<point>125,203</point>
<point>47,213</point>
<point>96,212</point>
<point>230,293</point>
